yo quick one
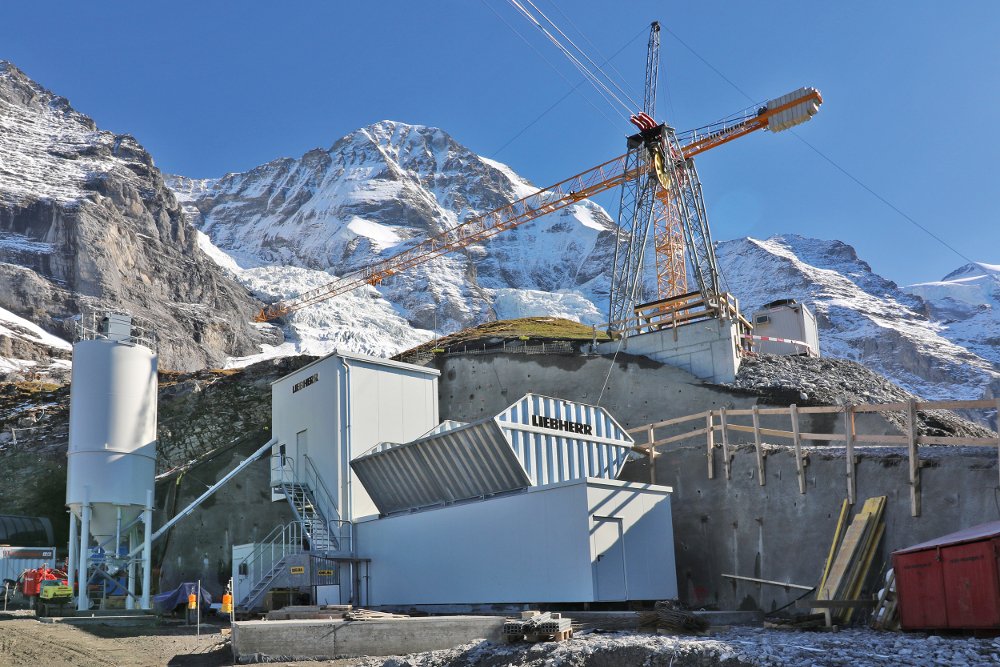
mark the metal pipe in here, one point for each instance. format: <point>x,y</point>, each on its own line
<point>118,531</point>
<point>147,550</point>
<point>82,603</point>
<point>112,580</point>
<point>211,490</point>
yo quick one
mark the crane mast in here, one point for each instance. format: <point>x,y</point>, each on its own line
<point>661,195</point>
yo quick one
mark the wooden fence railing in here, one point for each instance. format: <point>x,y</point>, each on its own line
<point>719,421</point>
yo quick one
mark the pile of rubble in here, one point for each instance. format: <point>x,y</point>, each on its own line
<point>733,647</point>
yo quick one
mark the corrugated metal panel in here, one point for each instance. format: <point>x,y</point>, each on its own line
<point>979,532</point>
<point>459,464</point>
<point>551,455</point>
<point>15,560</point>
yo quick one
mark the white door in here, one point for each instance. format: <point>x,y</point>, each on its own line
<point>609,558</point>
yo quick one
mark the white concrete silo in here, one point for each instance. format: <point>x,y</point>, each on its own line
<point>112,443</point>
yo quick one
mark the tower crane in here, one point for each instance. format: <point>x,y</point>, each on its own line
<point>656,170</point>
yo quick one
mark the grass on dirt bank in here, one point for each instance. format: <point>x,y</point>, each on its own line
<point>525,328</point>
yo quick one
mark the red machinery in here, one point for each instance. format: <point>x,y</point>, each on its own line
<point>33,581</point>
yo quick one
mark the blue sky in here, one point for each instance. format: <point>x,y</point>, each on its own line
<point>910,87</point>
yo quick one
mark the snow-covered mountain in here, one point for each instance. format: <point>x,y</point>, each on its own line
<point>85,217</point>
<point>966,303</point>
<point>85,220</point>
<point>865,317</point>
<point>291,223</point>
<point>378,191</point>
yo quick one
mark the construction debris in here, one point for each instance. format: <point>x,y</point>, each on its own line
<point>369,615</point>
<point>849,562</point>
<point>670,616</point>
<point>534,626</point>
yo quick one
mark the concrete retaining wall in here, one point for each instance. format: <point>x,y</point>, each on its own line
<point>773,532</point>
<point>736,526</point>
<point>325,639</point>
<point>708,349</point>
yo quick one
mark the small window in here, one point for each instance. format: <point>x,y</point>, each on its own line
<point>762,319</point>
<point>244,570</point>
<point>281,453</point>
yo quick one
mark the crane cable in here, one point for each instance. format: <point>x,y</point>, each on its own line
<point>836,165</point>
<point>583,53</point>
<point>602,88</point>
<point>557,71</point>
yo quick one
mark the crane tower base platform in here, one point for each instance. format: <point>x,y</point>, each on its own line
<point>686,332</point>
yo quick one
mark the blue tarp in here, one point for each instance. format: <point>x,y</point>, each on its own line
<point>167,602</point>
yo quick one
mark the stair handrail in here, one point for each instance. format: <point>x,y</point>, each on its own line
<point>327,505</point>
<point>282,541</point>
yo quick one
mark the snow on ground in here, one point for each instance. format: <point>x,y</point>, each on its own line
<point>359,321</point>
<point>733,647</point>
<point>17,327</point>
<point>511,304</point>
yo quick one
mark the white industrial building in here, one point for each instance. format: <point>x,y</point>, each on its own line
<point>790,321</point>
<point>394,508</point>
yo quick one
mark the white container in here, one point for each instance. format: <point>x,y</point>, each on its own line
<point>112,431</point>
<point>339,407</point>
<point>583,540</point>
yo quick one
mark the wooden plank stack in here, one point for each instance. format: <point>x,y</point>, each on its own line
<point>851,556</point>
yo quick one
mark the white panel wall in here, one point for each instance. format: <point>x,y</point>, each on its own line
<point>650,569</point>
<point>530,547</point>
<point>353,403</point>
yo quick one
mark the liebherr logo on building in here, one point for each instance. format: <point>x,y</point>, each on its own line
<point>562,425</point>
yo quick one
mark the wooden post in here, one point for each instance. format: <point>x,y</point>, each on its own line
<point>849,438</point>
<point>728,458</point>
<point>710,443</point>
<point>799,463</point>
<point>911,436</point>
<point>652,456</point>
<point>760,452</point>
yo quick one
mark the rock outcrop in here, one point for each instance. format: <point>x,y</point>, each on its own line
<point>85,220</point>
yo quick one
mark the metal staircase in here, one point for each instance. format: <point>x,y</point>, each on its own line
<point>310,517</point>
<point>313,506</point>
<point>317,529</point>
<point>267,560</point>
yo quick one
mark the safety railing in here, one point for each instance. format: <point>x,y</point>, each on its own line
<point>267,557</point>
<point>289,475</point>
<point>326,504</point>
<point>720,421</point>
<point>677,311</point>
<point>93,325</point>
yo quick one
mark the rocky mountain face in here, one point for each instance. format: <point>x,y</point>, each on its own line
<point>866,318</point>
<point>85,220</point>
<point>379,190</point>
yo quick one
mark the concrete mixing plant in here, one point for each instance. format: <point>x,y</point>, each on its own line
<point>112,454</point>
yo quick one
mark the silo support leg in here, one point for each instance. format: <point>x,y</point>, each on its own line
<point>133,538</point>
<point>82,602</point>
<point>147,550</point>
<point>71,556</point>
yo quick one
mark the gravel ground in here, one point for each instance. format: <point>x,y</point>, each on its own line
<point>808,381</point>
<point>735,647</point>
<point>25,641</point>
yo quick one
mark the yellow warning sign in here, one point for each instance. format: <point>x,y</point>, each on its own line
<point>298,569</point>
<point>325,573</point>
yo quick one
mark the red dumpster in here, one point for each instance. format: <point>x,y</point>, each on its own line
<point>951,582</point>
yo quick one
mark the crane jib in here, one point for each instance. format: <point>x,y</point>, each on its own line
<point>791,109</point>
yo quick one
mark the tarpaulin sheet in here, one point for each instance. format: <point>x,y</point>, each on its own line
<point>179,596</point>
